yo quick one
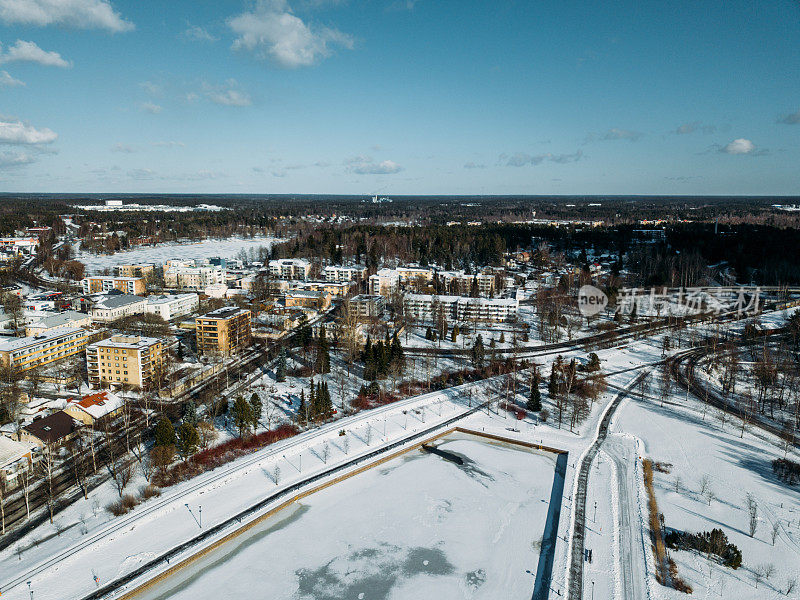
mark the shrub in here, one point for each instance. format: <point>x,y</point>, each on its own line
<point>123,505</point>
<point>149,491</point>
<point>708,542</point>
<point>786,470</point>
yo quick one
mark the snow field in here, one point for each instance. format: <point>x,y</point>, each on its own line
<point>416,526</point>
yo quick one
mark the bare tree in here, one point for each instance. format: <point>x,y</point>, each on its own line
<point>776,529</point>
<point>121,472</point>
<point>791,584</point>
<point>752,511</point>
<point>46,470</point>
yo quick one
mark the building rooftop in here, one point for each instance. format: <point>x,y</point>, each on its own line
<point>11,451</point>
<point>53,428</point>
<point>12,344</point>
<point>166,298</point>
<point>118,301</point>
<point>126,341</point>
<point>223,313</point>
<point>62,319</point>
<point>99,405</point>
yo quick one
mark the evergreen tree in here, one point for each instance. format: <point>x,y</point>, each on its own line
<point>454,335</point>
<point>164,433</point>
<point>429,334</point>
<point>256,405</point>
<point>323,364</point>
<point>190,413</point>
<point>552,386</point>
<point>535,401</point>
<point>301,409</point>
<point>242,415</point>
<point>594,363</point>
<point>502,337</point>
<point>312,400</point>
<point>478,352</point>
<point>280,371</point>
<point>188,439</point>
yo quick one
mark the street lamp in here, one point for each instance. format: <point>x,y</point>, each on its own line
<point>201,516</point>
<point>30,590</point>
<point>592,589</point>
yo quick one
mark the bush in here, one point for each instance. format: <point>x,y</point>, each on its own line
<point>127,503</point>
<point>149,491</point>
<point>708,542</point>
<point>787,471</point>
<point>544,414</point>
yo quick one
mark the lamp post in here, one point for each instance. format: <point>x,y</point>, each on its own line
<point>592,589</point>
<point>201,516</point>
<point>30,590</point>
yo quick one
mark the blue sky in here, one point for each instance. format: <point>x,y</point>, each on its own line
<point>400,97</point>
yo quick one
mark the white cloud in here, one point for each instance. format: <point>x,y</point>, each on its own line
<point>23,51</point>
<point>230,98</point>
<point>472,165</point>
<point>520,159</point>
<point>228,94</point>
<point>124,148</point>
<point>195,33</point>
<point>151,107</point>
<point>792,119</point>
<point>19,133</point>
<point>621,134</point>
<point>271,31</point>
<point>154,89</point>
<point>687,128</point>
<point>169,144</point>
<point>365,165</point>
<point>15,159</point>
<point>82,14</point>
<point>738,146</point>
<point>7,80</point>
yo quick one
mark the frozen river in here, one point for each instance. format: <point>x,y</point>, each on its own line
<point>418,526</point>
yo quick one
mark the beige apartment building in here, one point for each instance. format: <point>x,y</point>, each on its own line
<point>125,359</point>
<point>128,285</point>
<point>27,353</point>
<point>223,331</point>
<point>141,270</point>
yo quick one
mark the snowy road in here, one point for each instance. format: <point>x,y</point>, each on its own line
<point>622,450</point>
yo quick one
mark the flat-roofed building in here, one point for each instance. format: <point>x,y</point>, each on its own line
<point>336,289</point>
<point>338,273</point>
<point>194,278</point>
<point>144,270</point>
<point>126,285</point>
<point>15,459</point>
<point>223,331</point>
<point>307,299</point>
<point>426,308</point>
<point>27,353</point>
<point>384,283</point>
<point>290,268</point>
<point>125,359</point>
<point>367,307</point>
<point>170,307</point>
<point>459,283</point>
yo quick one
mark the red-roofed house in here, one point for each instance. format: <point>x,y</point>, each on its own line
<point>94,407</point>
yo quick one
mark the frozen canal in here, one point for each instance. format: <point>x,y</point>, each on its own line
<point>419,526</point>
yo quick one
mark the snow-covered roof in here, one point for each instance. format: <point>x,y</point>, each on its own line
<point>99,405</point>
<point>11,451</point>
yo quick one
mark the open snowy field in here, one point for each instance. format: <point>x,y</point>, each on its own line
<point>224,248</point>
<point>733,466</point>
<point>416,526</point>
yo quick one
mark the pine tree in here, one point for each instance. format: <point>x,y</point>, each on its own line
<point>502,337</point>
<point>429,334</point>
<point>165,433</point>
<point>552,386</point>
<point>301,409</point>
<point>280,371</point>
<point>535,401</point>
<point>478,352</point>
<point>312,400</point>
<point>190,413</point>
<point>323,364</point>
<point>454,335</point>
<point>188,439</point>
<point>256,405</point>
<point>242,415</point>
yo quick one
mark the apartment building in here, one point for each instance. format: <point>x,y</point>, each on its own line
<point>126,285</point>
<point>459,283</point>
<point>290,268</point>
<point>170,307</point>
<point>424,308</point>
<point>125,359</point>
<point>384,283</point>
<point>26,353</point>
<point>54,320</point>
<point>335,289</point>
<point>143,270</point>
<point>337,273</point>
<point>113,307</point>
<point>307,299</point>
<point>193,278</point>
<point>94,408</point>
<point>387,281</point>
<point>366,307</point>
<point>223,331</point>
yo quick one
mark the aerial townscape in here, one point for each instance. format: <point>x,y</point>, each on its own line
<point>401,299</point>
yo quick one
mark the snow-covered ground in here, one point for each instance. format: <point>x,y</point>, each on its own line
<point>224,248</point>
<point>735,466</point>
<point>418,526</point>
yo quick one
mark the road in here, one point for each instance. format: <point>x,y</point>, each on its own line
<point>632,543</point>
<point>575,586</point>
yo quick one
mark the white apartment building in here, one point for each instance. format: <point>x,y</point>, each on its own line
<point>193,278</point>
<point>337,273</point>
<point>290,268</point>
<point>461,284</point>
<point>423,308</point>
<point>384,283</point>
<point>170,307</point>
<point>112,308</point>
